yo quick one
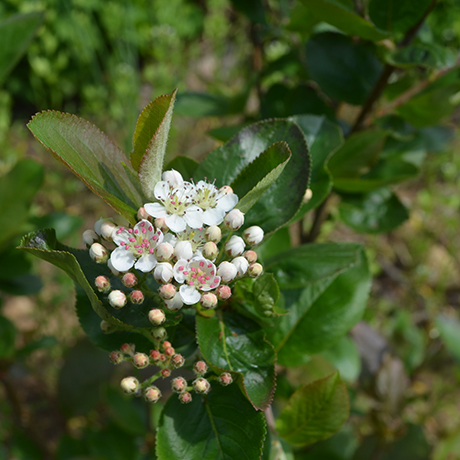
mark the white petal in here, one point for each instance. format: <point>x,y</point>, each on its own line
<point>170,238</point>
<point>193,216</point>
<point>175,223</point>
<point>144,224</point>
<point>123,236</point>
<point>227,201</point>
<point>155,209</point>
<point>122,259</point>
<point>178,274</point>
<point>161,191</point>
<point>214,216</point>
<point>146,263</point>
<point>189,294</point>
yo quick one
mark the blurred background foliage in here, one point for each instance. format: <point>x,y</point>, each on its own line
<point>236,62</point>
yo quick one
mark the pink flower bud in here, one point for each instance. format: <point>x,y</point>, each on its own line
<point>167,291</point>
<point>163,272</point>
<point>225,378</point>
<point>128,348</point>
<point>227,271</point>
<point>201,386</point>
<point>241,265</point>
<point>210,250</point>
<point>164,252</point>
<point>173,178</point>
<point>177,360</point>
<point>169,351</point>
<point>157,317</point>
<point>152,394</point>
<point>250,256</point>
<point>175,303</point>
<point>226,189</point>
<point>183,250</point>
<point>213,233</point>
<point>129,280</point>
<point>142,214</point>
<point>98,253</point>
<point>185,397</point>
<point>155,355</point>
<point>165,373</point>
<point>136,297</point>
<point>89,237</point>
<point>208,300</point>
<point>130,385</point>
<point>116,357</point>
<point>160,224</point>
<point>159,333</point>
<point>162,358</point>
<point>105,227</point>
<point>234,219</point>
<point>114,271</point>
<point>117,299</point>
<point>200,368</point>
<point>255,270</point>
<point>223,292</point>
<point>102,283</point>
<point>234,246</point>
<point>166,344</point>
<point>179,385</point>
<point>140,360</point>
<point>253,235</point>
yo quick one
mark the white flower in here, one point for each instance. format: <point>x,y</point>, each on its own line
<point>241,265</point>
<point>163,272</point>
<point>253,235</point>
<point>227,271</point>
<point>175,303</point>
<point>136,247</point>
<point>183,250</point>
<point>234,219</point>
<point>234,246</point>
<point>173,178</point>
<point>197,275</point>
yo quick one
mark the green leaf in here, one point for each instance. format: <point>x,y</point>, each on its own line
<point>89,154</point>
<point>314,412</point>
<point>233,343</point>
<point>16,33</point>
<point>344,356</point>
<point>185,165</point>
<point>449,329</point>
<point>325,287</point>
<point>8,338</point>
<point>396,16</point>
<point>282,200</point>
<point>429,55</point>
<point>341,16</point>
<point>222,425</point>
<point>379,211</point>
<point>345,70</point>
<point>257,177</point>
<point>225,133</point>
<point>266,293</point>
<point>199,105</point>
<point>64,224</point>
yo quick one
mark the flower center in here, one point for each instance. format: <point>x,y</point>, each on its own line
<point>139,242</point>
<point>196,237</point>
<point>200,274</point>
<point>206,197</point>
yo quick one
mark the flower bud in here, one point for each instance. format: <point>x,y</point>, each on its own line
<point>105,227</point>
<point>177,360</point>
<point>162,358</point>
<point>140,360</point>
<point>226,189</point>
<point>114,271</point>
<point>167,291</point>
<point>185,397</point>
<point>117,299</point>
<point>183,250</point>
<point>169,351</point>
<point>227,271</point>
<point>250,256</point>
<point>253,235</point>
<point>129,280</point>
<point>155,355</point>
<point>102,283</point>
<point>255,270</point>
<point>223,292</point>
<point>173,178</point>
<point>142,214</point>
<point>157,317</point>
<point>89,237</point>
<point>234,219</point>
<point>128,348</point>
<point>225,378</point>
<point>201,386</point>
<point>166,344</point>
<point>165,373</point>
<point>98,253</point>
<point>136,297</point>
<point>208,300</point>
<point>130,385</point>
<point>308,195</point>
<point>164,252</point>
<point>175,303</point>
<point>163,272</point>
<point>234,246</point>
<point>179,385</point>
<point>210,250</point>
<point>159,333</point>
<point>152,394</point>
<point>200,368</point>
<point>160,224</point>
<point>116,357</point>
<point>213,233</point>
<point>241,265</point>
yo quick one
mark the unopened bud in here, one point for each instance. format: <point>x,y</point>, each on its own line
<point>159,333</point>
<point>255,270</point>
<point>213,233</point>
<point>250,256</point>
<point>140,360</point>
<point>175,303</point>
<point>241,265</point>
<point>130,385</point>
<point>177,360</point>
<point>223,292</point>
<point>89,237</point>
<point>116,357</point>
<point>165,373</point>
<point>253,235</point>
<point>105,228</point>
<point>117,299</point>
<point>227,271</point>
<point>169,351</point>
<point>308,195</point>
<point>162,358</point>
<point>114,271</point>
<point>163,272</point>
<point>129,280</point>
<point>167,291</point>
<point>136,297</point>
<point>152,394</point>
<point>102,283</point>
<point>183,250</point>
<point>234,246</point>
<point>157,317</point>
<point>201,386</point>
<point>179,385</point>
<point>98,253</point>
<point>142,214</point>
<point>226,189</point>
<point>164,252</point>
<point>185,397</point>
<point>210,250</point>
<point>166,344</point>
<point>200,368</point>
<point>208,300</point>
<point>128,348</point>
<point>225,378</point>
<point>155,355</point>
<point>160,224</point>
<point>173,178</point>
<point>234,219</point>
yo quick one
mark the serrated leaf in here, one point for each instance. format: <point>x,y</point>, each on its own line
<point>314,412</point>
<point>222,425</point>
<point>90,155</point>
<point>233,343</point>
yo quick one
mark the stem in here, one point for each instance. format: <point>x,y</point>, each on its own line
<point>320,217</point>
<point>270,419</point>
<point>150,380</point>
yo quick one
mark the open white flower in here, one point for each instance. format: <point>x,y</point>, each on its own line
<point>136,247</point>
<point>197,275</point>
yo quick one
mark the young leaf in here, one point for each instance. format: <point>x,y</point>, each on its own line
<point>221,425</point>
<point>233,343</point>
<point>315,412</point>
<point>89,154</point>
<point>266,293</point>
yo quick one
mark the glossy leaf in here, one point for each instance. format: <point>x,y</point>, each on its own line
<point>314,412</point>
<point>344,70</point>
<point>89,154</point>
<point>150,139</point>
<point>185,165</point>
<point>200,105</point>
<point>429,55</point>
<point>8,338</point>
<point>266,293</point>
<point>222,425</point>
<point>379,211</point>
<point>233,343</point>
